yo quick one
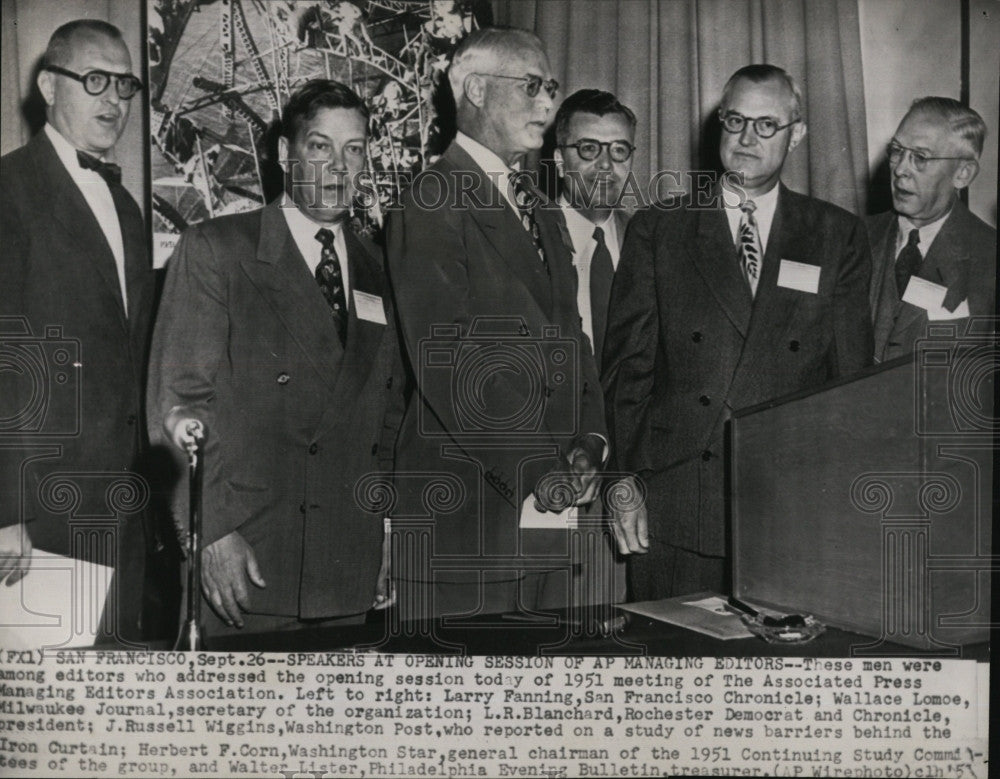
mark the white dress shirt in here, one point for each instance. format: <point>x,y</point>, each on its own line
<point>304,229</point>
<point>98,196</point>
<point>927,233</point>
<point>581,233</point>
<point>497,171</point>
<point>766,204</point>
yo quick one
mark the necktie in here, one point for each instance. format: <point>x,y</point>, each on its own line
<point>908,261</point>
<point>525,200</point>
<point>111,173</point>
<point>602,273</point>
<point>331,282</point>
<point>750,252</point>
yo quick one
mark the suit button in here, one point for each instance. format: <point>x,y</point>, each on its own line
<point>374,449</point>
<point>283,378</point>
<point>704,400</point>
<point>706,455</point>
<point>302,508</point>
<point>696,336</point>
<point>130,419</point>
<point>794,346</point>
<point>313,449</point>
<point>388,383</point>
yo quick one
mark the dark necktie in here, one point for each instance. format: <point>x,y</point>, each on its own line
<point>330,278</point>
<point>908,262</point>
<point>602,273</point>
<point>525,200</point>
<point>750,252</point>
<point>108,171</point>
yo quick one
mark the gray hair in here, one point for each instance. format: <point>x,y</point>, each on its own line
<point>59,50</point>
<point>482,49</point>
<point>759,74</point>
<point>965,123</point>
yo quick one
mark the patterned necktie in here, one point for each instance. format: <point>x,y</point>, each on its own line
<point>750,252</point>
<point>111,173</point>
<point>331,282</point>
<point>525,200</point>
<point>602,273</point>
<point>908,262</point>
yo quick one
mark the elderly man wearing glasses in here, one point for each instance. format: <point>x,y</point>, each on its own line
<point>75,274</point>
<point>933,259</point>
<point>507,418</point>
<point>715,308</point>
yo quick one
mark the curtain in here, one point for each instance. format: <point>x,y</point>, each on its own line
<point>669,59</point>
<point>26,26</point>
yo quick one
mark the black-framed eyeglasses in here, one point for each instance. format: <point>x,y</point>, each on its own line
<point>531,83</point>
<point>590,149</point>
<point>95,82</point>
<point>764,126</point>
<point>918,159</point>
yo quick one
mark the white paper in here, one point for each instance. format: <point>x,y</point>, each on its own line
<point>546,520</point>
<point>369,307</point>
<point>799,276</point>
<point>58,604</point>
<point>961,312</point>
<point>924,294</point>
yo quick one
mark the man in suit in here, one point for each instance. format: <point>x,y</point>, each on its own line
<point>594,137</point>
<point>508,405</point>
<point>716,309</point>
<point>930,234</point>
<point>76,286</point>
<point>273,342</point>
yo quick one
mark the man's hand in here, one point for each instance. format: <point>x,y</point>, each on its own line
<point>558,490</point>
<point>627,507</point>
<point>186,432</point>
<point>225,567</point>
<point>15,553</point>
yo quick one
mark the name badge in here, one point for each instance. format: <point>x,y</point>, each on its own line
<point>930,297</point>
<point>369,307</point>
<point>799,276</point>
<point>532,518</point>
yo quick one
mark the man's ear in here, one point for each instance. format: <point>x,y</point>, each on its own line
<point>798,133</point>
<point>557,155</point>
<point>474,88</point>
<point>47,86</point>
<point>283,152</point>
<point>965,174</point>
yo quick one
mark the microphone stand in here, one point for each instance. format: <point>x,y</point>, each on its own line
<point>191,638</point>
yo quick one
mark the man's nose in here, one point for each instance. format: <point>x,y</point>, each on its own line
<point>604,158</point>
<point>748,135</point>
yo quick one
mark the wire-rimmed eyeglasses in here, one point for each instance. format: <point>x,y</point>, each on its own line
<point>531,83</point>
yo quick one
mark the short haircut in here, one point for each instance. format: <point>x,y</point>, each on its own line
<point>589,101</point>
<point>309,98</point>
<point>965,123</point>
<point>758,74</point>
<point>60,49</point>
<point>482,49</point>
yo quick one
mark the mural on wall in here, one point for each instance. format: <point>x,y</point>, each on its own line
<point>220,71</point>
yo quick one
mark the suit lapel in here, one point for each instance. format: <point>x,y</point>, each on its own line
<point>501,226</point>
<point>71,211</point>
<point>947,260</point>
<point>715,257</point>
<point>281,275</point>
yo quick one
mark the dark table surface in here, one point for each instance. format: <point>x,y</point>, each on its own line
<point>564,634</point>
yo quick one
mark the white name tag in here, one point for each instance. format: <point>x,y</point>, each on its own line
<point>369,307</point>
<point>930,297</point>
<point>799,276</point>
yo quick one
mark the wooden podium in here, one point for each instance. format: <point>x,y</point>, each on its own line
<point>869,502</point>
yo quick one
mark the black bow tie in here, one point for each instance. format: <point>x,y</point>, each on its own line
<point>108,171</point>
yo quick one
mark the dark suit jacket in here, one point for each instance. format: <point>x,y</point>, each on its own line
<point>687,345</point>
<point>621,218</point>
<point>962,258</point>
<point>57,274</point>
<point>504,377</point>
<point>245,341</point>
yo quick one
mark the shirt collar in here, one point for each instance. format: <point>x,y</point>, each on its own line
<point>927,233</point>
<point>67,154</point>
<point>581,229</point>
<point>304,229</point>
<point>485,158</point>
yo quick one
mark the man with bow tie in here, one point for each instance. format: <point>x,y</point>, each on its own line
<point>76,286</point>
<point>274,341</point>
<point>717,308</point>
